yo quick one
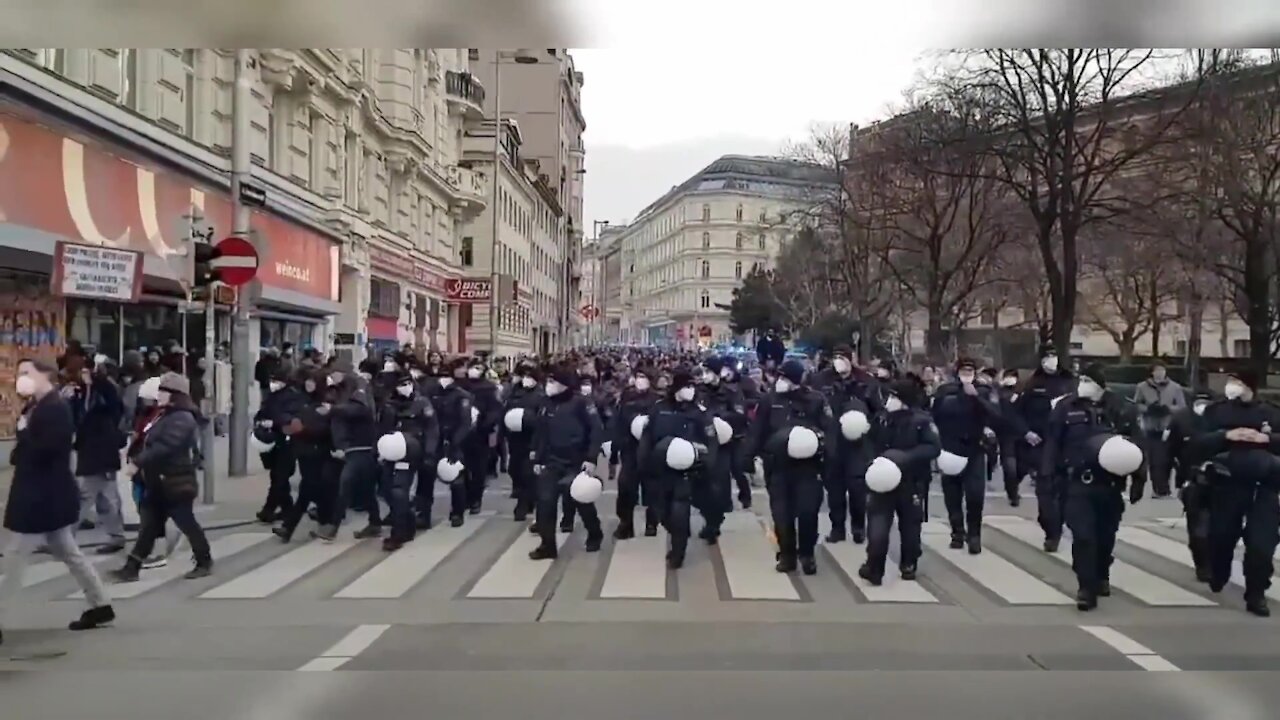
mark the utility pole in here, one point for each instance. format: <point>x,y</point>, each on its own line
<point>241,356</point>
<point>493,207</point>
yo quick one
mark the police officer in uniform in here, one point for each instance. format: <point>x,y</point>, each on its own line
<point>404,411</point>
<point>1241,441</point>
<point>677,415</point>
<point>453,415</point>
<point>961,411</point>
<point>1095,499</point>
<point>566,440</point>
<point>906,435</point>
<point>795,485</point>
<point>354,429</point>
<point>525,394</point>
<point>479,449</point>
<point>1010,433</point>
<point>1033,407</point>
<point>723,401</point>
<point>1193,478</point>
<point>847,391</point>
<point>282,404</point>
<point>637,400</point>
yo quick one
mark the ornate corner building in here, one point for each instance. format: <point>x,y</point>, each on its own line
<point>358,154</point>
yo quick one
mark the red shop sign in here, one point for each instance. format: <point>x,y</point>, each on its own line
<point>468,291</point>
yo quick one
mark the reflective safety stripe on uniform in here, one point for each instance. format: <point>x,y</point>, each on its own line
<point>1009,582</point>
<point>400,571</point>
<point>265,580</point>
<point>514,575</point>
<point>748,556</point>
<point>1178,553</point>
<point>1124,577</point>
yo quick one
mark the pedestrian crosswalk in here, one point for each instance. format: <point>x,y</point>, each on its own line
<point>486,560</point>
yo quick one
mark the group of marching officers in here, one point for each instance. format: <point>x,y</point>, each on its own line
<point>683,437</point>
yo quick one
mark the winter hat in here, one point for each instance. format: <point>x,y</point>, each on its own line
<point>843,351</point>
<point>1047,349</point>
<point>966,364</point>
<point>905,389</point>
<point>1248,377</point>
<point>174,383</point>
<point>714,364</point>
<point>1095,372</point>
<point>681,378</point>
<point>565,375</point>
<point>792,370</point>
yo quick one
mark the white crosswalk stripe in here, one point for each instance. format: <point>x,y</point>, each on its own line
<point>487,559</point>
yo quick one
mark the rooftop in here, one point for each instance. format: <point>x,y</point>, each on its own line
<point>758,174</point>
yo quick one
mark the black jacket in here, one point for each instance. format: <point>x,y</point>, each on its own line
<point>568,431</point>
<point>167,460</point>
<point>43,495</point>
<point>353,423</point>
<point>98,436</point>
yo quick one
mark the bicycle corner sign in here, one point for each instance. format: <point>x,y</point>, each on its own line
<point>463,290</point>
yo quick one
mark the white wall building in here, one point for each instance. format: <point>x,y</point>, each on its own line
<point>684,254</point>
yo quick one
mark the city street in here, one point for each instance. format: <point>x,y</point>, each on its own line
<point>464,611</point>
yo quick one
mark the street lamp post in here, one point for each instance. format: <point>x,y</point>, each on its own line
<point>600,287</point>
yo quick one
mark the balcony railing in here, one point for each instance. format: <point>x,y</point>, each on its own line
<point>465,87</point>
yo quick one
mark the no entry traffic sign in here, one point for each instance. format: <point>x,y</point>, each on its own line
<point>236,260</point>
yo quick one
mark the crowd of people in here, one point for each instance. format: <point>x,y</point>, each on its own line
<point>680,431</point>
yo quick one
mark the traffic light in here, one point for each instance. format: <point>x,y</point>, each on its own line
<point>203,273</point>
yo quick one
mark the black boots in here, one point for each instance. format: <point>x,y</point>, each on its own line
<point>1257,605</point>
<point>624,531</point>
<point>93,618</point>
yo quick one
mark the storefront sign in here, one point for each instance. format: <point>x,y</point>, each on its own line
<point>97,272</point>
<point>464,290</point>
<point>401,266</point>
<point>95,193</point>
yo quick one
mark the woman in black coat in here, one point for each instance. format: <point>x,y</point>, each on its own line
<point>44,499</point>
<point>98,441</point>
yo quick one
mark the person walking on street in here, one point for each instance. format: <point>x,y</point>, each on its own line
<point>1158,398</point>
<point>44,499</point>
<point>98,411</point>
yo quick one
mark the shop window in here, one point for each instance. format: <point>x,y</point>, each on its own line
<point>384,298</point>
<point>96,324</point>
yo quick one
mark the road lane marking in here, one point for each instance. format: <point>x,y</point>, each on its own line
<point>346,649</point>
<point>850,557</point>
<point>514,575</point>
<point>1137,653</point>
<point>1010,582</point>
<point>265,580</point>
<point>1178,553</point>
<point>399,572</point>
<point>637,569</point>
<point>222,548</point>
<point>745,552</point>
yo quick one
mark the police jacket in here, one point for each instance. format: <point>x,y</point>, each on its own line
<point>352,421</point>
<point>911,439</point>
<point>1011,425</point>
<point>415,417</point>
<point>1035,402</point>
<point>453,413</point>
<point>960,417</point>
<point>1074,421</point>
<point>725,401</point>
<point>1184,425</point>
<point>568,431</point>
<point>1241,462</point>
<point>669,418</point>
<point>278,409</point>
<point>840,391</point>
<point>779,412</point>
<point>316,437</point>
<point>486,398</point>
<point>632,404</point>
<point>527,399</point>
<point>167,460</point>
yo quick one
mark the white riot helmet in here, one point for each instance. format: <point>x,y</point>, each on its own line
<point>514,420</point>
<point>854,425</point>
<point>681,454</point>
<point>1120,456</point>
<point>392,447</point>
<point>724,432</point>
<point>448,472</point>
<point>586,488</point>
<point>952,464</point>
<point>638,424</point>
<point>883,475</point>
<point>802,443</point>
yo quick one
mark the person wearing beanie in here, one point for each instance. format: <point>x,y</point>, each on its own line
<point>525,395</point>
<point>961,411</point>
<point>353,424</point>
<point>452,404</point>
<point>633,484</point>
<point>795,484</point>
<point>479,449</point>
<point>567,436</point>
<point>1010,435</point>
<point>905,435</point>
<point>677,423</point>
<point>848,390</point>
<point>167,462</point>
<point>1192,479</point>
<point>1158,398</point>
<point>1095,502</point>
<point>279,408</point>
<point>1241,443</point>
<point>722,401</point>
<point>1031,417</point>
<point>405,412</point>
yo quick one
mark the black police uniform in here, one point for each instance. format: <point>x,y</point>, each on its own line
<point>518,446</point>
<point>960,419</point>
<point>453,415</point>
<point>317,467</point>
<point>1010,434</point>
<point>671,490</point>
<point>632,480</point>
<point>416,419</point>
<point>1244,504</point>
<point>477,450</point>
<point>795,486</point>
<point>277,410</point>
<point>725,402</point>
<point>568,434</point>
<point>1033,407</point>
<point>1193,480</point>
<point>908,438</point>
<point>354,428</point>
<point>846,480</point>
<point>1095,500</point>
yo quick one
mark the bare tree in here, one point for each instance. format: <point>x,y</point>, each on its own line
<point>1131,285</point>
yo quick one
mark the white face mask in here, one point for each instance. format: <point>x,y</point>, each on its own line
<point>163,398</point>
<point>782,385</point>
<point>25,385</point>
<point>1009,381</point>
<point>474,373</point>
<point>1050,363</point>
<point>882,373</point>
<point>1233,390</point>
<point>310,385</point>
<point>554,388</point>
<point>893,404</point>
<point>1199,407</point>
<point>389,366</point>
<point>365,375</point>
<point>586,389</point>
<point>726,374</point>
<point>842,366</point>
<point>1089,389</point>
<point>332,381</point>
<point>275,385</point>
<point>710,378</point>
<point>966,378</point>
<point>446,382</point>
<point>404,390</point>
<point>642,383</point>
<point>528,382</point>
<point>415,373</point>
<point>685,394</point>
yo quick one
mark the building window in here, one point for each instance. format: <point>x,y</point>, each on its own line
<point>704,301</point>
<point>1240,348</point>
<point>738,213</point>
<point>764,216</point>
<point>189,91</point>
<point>706,241</point>
<point>466,252</point>
<point>761,241</point>
<point>738,241</point>
<point>1180,348</point>
<point>129,78</point>
<point>737,270</point>
<point>988,315</point>
<point>706,213</point>
<point>706,269</point>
